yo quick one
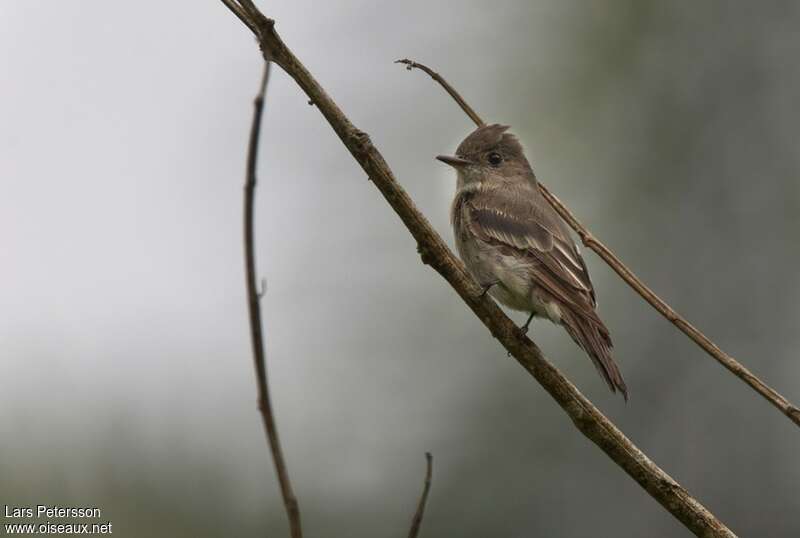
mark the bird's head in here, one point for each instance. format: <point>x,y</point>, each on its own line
<point>489,154</point>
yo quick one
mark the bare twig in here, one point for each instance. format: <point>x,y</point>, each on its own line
<point>433,250</point>
<point>737,369</point>
<point>256,332</point>
<point>411,64</point>
<point>416,521</point>
<point>242,15</point>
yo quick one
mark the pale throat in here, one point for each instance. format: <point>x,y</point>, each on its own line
<point>469,180</point>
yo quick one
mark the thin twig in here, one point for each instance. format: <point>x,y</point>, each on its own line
<point>416,521</point>
<point>737,369</point>
<point>433,250</point>
<point>240,13</point>
<point>256,332</point>
<point>411,64</point>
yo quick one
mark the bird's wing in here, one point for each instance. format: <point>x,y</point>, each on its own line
<point>515,216</point>
<point>516,219</point>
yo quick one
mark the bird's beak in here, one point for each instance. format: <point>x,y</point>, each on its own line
<point>455,162</point>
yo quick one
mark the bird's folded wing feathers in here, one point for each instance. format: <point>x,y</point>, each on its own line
<point>510,217</point>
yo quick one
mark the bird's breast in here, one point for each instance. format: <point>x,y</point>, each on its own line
<point>487,263</point>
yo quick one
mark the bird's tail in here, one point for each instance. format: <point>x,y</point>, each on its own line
<point>593,337</point>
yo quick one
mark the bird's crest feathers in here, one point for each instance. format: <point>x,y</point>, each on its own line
<point>490,137</point>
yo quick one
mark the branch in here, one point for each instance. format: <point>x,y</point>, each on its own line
<point>411,64</point>
<point>237,10</point>
<point>737,369</point>
<point>416,521</point>
<point>256,333</point>
<point>585,416</point>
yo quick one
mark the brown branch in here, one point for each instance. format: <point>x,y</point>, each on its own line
<point>256,332</point>
<point>468,110</point>
<point>416,521</point>
<point>585,416</point>
<point>737,369</point>
<point>240,13</point>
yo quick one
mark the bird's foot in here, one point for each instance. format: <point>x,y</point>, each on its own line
<point>486,287</point>
<point>524,328</point>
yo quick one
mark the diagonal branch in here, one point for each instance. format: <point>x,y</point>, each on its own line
<point>240,13</point>
<point>433,250</point>
<point>416,521</point>
<point>737,369</point>
<point>254,309</point>
<point>411,64</point>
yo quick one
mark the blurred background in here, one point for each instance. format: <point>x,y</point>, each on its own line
<point>670,129</point>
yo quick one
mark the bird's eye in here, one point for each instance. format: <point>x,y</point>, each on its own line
<point>495,158</point>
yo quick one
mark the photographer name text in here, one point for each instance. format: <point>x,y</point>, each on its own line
<point>43,510</point>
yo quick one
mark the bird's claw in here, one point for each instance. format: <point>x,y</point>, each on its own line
<point>524,328</point>
<point>485,288</point>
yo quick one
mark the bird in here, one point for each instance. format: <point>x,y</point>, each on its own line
<point>517,247</point>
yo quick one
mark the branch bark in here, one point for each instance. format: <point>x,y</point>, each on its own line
<point>254,310</point>
<point>416,521</point>
<point>434,252</point>
<point>591,242</point>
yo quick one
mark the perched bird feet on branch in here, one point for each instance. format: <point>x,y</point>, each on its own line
<point>524,328</point>
<point>485,287</point>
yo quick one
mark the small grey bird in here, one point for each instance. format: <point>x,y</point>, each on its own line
<point>518,248</point>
